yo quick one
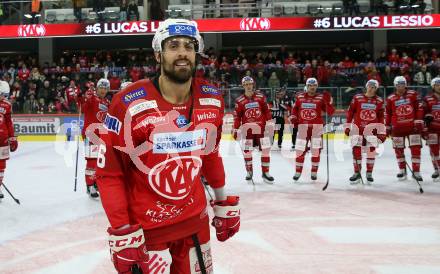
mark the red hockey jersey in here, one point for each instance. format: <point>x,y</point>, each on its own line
<point>365,110</point>
<point>149,169</point>
<point>308,109</point>
<point>6,125</point>
<point>94,109</point>
<point>403,110</point>
<point>251,110</point>
<point>431,105</point>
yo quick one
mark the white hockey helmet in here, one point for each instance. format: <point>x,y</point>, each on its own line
<point>4,88</point>
<point>177,27</point>
<point>125,84</point>
<point>103,83</point>
<point>399,80</point>
<point>373,83</point>
<point>311,81</point>
<point>247,79</point>
<point>435,81</point>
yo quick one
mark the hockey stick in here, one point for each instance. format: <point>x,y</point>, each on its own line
<point>326,149</point>
<point>420,186</point>
<point>360,174</point>
<point>77,148</point>
<point>199,254</point>
<point>7,190</point>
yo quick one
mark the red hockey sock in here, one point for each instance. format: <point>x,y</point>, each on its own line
<point>357,158</point>
<point>400,156</point>
<point>415,157</point>
<point>265,163</point>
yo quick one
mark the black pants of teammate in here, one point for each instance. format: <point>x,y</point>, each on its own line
<point>279,121</point>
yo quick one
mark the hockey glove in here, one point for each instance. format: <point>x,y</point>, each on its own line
<point>127,248</point>
<point>13,143</point>
<point>428,119</point>
<point>227,217</point>
<point>418,126</point>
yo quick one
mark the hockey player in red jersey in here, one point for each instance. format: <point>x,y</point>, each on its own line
<point>161,135</point>
<point>365,117</point>
<point>403,120</point>
<point>251,115</point>
<point>94,105</point>
<point>307,114</point>
<point>431,133</point>
<point>72,92</point>
<point>8,141</point>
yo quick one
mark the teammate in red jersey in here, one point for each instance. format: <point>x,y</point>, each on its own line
<point>404,114</point>
<point>94,105</point>
<point>251,115</point>
<point>366,118</point>
<point>71,95</point>
<point>8,141</point>
<point>307,114</point>
<point>161,135</point>
<point>431,132</point>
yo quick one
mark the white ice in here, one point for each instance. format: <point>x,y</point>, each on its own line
<point>388,227</point>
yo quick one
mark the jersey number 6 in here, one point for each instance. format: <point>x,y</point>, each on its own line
<point>101,156</point>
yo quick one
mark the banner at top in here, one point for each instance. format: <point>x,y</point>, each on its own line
<point>228,25</point>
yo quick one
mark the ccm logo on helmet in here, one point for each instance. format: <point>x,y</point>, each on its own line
<point>182,30</point>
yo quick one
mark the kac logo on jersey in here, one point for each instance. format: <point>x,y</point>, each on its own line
<point>368,106</point>
<point>134,95</point>
<point>112,123</point>
<point>251,105</point>
<point>175,177</point>
<point>177,142</point>
<point>209,90</point>
<point>181,121</point>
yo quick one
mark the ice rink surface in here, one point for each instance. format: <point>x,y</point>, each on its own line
<point>385,228</point>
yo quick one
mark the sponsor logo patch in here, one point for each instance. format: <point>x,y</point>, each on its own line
<point>142,106</point>
<point>154,119</point>
<point>102,107</point>
<point>402,102</point>
<point>176,142</point>
<point>251,105</point>
<point>308,105</point>
<point>435,107</point>
<point>210,102</point>
<point>368,106</point>
<point>181,121</point>
<point>134,95</point>
<point>205,115</point>
<point>209,90</point>
<point>112,123</point>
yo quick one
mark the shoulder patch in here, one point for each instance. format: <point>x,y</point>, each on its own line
<point>206,89</point>
<point>134,95</point>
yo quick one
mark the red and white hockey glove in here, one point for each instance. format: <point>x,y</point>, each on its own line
<point>13,143</point>
<point>293,120</point>
<point>127,248</point>
<point>227,217</point>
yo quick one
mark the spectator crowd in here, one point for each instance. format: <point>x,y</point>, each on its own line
<point>44,88</point>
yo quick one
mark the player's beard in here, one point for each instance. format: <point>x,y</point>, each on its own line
<point>180,75</point>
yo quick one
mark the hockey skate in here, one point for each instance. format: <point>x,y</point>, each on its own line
<point>355,178</point>
<point>92,191</point>
<point>370,179</point>
<point>267,178</point>
<point>435,176</point>
<point>296,177</point>
<point>416,176</point>
<point>401,175</point>
<point>249,176</point>
<point>314,176</point>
